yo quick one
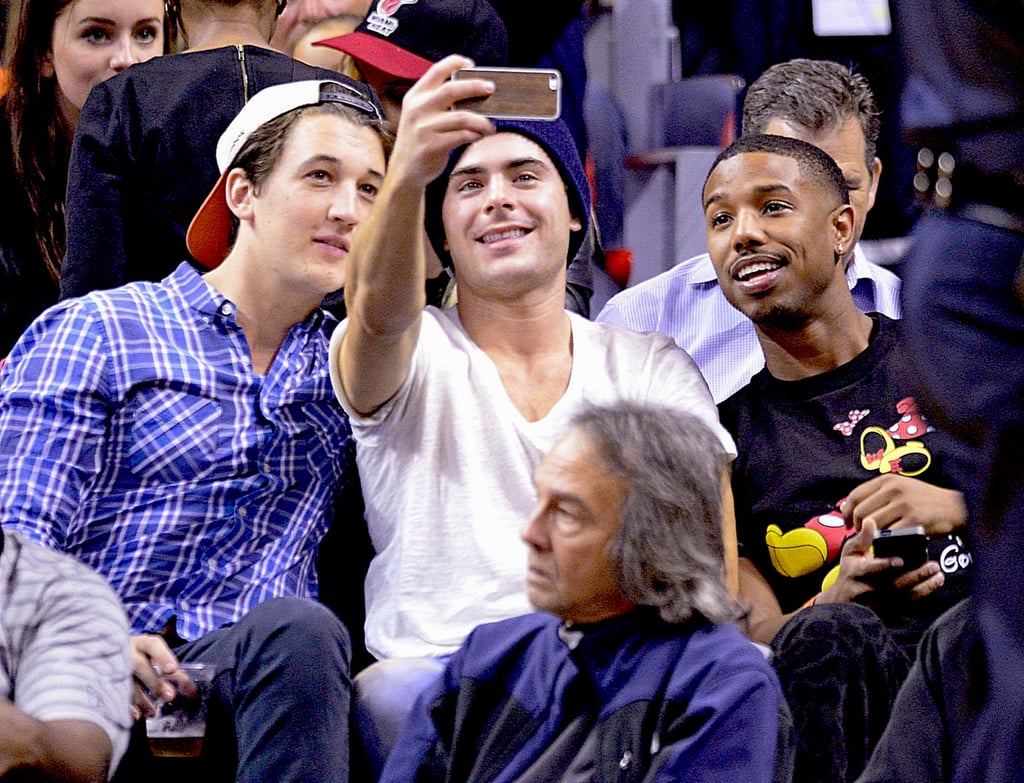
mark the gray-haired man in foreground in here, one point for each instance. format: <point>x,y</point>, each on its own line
<point>632,662</point>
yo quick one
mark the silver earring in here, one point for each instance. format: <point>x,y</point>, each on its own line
<point>839,249</point>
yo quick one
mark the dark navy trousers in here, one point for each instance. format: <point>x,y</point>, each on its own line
<point>966,324</point>
<point>279,708</point>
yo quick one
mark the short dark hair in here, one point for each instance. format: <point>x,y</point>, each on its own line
<point>813,161</point>
<point>668,552</point>
<point>259,155</point>
<point>816,95</point>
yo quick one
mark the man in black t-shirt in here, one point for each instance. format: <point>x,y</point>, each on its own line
<point>831,448</point>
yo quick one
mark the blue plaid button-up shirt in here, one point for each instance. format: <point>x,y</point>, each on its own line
<point>135,436</point>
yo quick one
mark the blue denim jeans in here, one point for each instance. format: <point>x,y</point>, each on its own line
<point>281,694</point>
<point>384,694</point>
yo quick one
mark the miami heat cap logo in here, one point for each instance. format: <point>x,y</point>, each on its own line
<point>382,20</point>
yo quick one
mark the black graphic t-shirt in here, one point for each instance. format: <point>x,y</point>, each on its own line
<point>804,445</point>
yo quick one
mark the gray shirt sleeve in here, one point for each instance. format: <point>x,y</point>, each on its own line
<point>63,641</point>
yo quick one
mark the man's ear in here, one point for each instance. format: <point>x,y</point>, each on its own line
<point>843,227</point>
<point>876,172</point>
<point>239,194</point>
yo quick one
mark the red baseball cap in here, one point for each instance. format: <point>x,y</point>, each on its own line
<point>403,38</point>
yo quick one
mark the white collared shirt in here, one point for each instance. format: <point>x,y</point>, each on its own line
<point>687,304</point>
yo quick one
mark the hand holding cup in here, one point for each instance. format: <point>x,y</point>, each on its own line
<point>179,725</point>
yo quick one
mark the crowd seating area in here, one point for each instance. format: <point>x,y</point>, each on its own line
<point>661,88</point>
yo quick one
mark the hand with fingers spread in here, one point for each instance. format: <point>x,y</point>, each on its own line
<point>898,501</point>
<point>860,572</point>
<point>430,127</point>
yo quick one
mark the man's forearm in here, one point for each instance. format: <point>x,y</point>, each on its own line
<point>385,297</point>
<point>384,291</point>
<point>64,750</point>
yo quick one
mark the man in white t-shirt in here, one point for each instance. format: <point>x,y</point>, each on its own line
<point>452,410</point>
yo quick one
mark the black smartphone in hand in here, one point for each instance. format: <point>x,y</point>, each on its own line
<point>908,543</point>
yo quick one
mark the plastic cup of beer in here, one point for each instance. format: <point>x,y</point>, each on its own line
<point>178,728</point>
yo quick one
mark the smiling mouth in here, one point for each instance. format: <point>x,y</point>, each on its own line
<point>750,269</point>
<point>755,269</point>
<point>506,233</point>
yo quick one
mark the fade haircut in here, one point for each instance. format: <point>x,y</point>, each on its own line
<point>818,95</point>
<point>814,162</point>
<point>668,551</point>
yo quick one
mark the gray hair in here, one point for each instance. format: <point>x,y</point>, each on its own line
<point>668,551</point>
<point>814,94</point>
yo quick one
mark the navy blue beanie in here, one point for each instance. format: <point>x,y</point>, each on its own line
<point>554,137</point>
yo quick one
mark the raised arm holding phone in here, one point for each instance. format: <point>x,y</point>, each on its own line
<point>383,289</point>
<point>452,409</point>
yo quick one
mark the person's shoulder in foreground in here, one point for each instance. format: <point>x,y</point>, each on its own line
<point>645,682</point>
<point>65,679</point>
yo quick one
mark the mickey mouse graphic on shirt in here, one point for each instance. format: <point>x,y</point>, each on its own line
<point>804,550</point>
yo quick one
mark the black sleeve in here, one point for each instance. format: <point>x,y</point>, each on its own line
<point>579,277</point>
<point>95,256</point>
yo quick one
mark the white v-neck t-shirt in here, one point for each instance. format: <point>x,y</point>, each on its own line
<point>446,468</point>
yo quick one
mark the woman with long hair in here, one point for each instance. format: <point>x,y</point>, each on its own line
<point>54,53</point>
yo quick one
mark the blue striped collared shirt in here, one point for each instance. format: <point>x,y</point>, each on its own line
<point>135,435</point>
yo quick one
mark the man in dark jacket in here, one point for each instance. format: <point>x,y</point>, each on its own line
<point>632,668</point>
<point>963,105</point>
